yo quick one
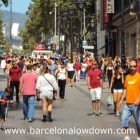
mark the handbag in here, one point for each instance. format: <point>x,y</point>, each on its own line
<point>54,91</point>
<point>110,100</point>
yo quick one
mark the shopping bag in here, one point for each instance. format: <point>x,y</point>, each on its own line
<point>110,100</point>
<point>74,77</point>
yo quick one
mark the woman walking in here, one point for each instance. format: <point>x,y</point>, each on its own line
<point>46,84</point>
<point>117,82</point>
<point>70,69</point>
<point>61,76</point>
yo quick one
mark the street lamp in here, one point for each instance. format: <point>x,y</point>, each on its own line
<point>59,24</point>
<point>122,35</point>
<point>64,15</point>
<point>71,11</point>
<point>93,30</point>
<point>80,4</point>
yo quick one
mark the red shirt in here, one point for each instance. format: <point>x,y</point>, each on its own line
<point>15,74</point>
<point>77,66</point>
<point>95,77</point>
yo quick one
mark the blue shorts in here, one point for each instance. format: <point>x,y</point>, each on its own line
<point>129,111</point>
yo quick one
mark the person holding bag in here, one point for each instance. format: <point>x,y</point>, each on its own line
<point>46,85</point>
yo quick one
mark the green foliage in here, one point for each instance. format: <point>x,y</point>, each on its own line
<point>41,20</point>
<point>1,30</point>
<point>5,2</point>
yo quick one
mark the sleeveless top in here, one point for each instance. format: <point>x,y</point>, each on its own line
<point>118,83</point>
<point>70,67</point>
<point>62,74</point>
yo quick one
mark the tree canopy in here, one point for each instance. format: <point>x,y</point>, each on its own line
<point>41,20</point>
<point>5,2</point>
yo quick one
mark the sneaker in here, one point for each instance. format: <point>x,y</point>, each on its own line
<point>100,114</point>
<point>92,114</point>
<point>117,114</point>
<point>97,114</point>
<point>25,118</point>
<point>127,138</point>
<point>30,120</point>
<point>138,138</point>
<point>2,128</point>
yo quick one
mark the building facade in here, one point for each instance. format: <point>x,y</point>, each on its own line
<point>127,19</point>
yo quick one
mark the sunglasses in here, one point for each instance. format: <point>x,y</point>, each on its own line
<point>133,66</point>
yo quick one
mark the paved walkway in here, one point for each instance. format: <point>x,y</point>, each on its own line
<point>72,113</point>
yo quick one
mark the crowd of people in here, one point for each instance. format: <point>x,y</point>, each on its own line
<point>35,78</point>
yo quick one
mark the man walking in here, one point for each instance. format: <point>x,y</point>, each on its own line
<point>28,90</point>
<point>94,83</point>
<point>132,95</point>
<point>13,81</point>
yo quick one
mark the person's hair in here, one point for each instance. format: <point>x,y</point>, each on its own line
<point>116,70</point>
<point>29,67</point>
<point>45,69</point>
<point>134,60</point>
<point>8,61</point>
<point>35,64</point>
<point>7,90</point>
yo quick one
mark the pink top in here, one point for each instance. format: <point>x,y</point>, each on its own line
<point>28,81</point>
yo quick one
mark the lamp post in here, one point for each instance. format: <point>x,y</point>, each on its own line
<point>94,16</point>
<point>11,20</point>
<point>59,24</point>
<point>65,14</point>
<point>71,11</point>
<point>122,35</point>
<point>80,4</point>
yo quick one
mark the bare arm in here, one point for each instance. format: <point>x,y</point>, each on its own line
<point>122,79</point>
<point>112,80</point>
<point>88,82</point>
<point>122,98</point>
<point>20,86</point>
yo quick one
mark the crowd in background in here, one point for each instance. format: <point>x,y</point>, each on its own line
<point>39,78</point>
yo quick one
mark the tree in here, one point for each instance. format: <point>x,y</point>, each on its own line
<point>41,20</point>
<point>5,2</point>
<point>1,30</point>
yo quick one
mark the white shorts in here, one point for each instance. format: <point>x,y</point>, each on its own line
<point>96,93</point>
<point>46,94</point>
<point>118,91</point>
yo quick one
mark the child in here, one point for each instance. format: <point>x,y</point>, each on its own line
<point>3,105</point>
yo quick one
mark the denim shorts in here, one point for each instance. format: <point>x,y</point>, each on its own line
<point>129,111</point>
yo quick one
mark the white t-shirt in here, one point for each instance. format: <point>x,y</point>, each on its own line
<point>70,67</point>
<point>84,66</point>
<point>3,64</point>
<point>62,74</point>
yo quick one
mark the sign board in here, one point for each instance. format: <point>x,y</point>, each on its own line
<point>88,47</point>
<point>105,17</point>
<point>110,6</point>
<point>14,30</point>
<point>85,43</point>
